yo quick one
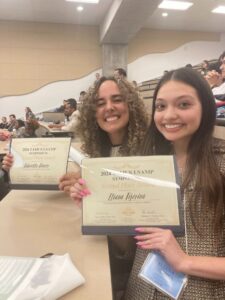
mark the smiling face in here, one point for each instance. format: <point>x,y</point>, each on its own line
<point>178,112</point>
<point>112,112</point>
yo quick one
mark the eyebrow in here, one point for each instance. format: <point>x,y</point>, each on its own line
<point>112,96</point>
<point>178,98</point>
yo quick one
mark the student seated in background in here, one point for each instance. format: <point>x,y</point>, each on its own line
<point>29,114</point>
<point>216,79</point>
<point>120,74</point>
<point>4,124</point>
<point>20,130</point>
<point>12,121</point>
<point>204,67</point>
<point>183,123</point>
<point>72,113</point>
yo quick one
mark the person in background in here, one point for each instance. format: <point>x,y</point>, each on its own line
<point>12,121</point>
<point>120,74</point>
<point>82,96</point>
<point>204,67</point>
<point>189,66</point>
<point>183,123</point>
<point>62,107</point>
<point>29,114</point>
<point>4,124</point>
<point>97,77</point>
<point>216,79</point>
<point>134,83</point>
<point>20,130</point>
<point>72,113</point>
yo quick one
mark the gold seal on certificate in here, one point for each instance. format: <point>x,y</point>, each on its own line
<point>127,192</point>
<point>38,162</point>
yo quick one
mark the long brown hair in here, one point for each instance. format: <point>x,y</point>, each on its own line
<point>202,150</point>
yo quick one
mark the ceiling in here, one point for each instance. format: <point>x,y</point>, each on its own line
<point>197,18</point>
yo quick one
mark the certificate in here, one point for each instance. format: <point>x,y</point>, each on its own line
<point>129,192</point>
<point>38,162</point>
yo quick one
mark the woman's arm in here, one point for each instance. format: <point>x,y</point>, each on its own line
<point>164,241</point>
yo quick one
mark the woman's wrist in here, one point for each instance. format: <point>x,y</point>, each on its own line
<point>185,265</point>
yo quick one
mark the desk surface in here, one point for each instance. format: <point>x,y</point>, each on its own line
<point>55,131</point>
<point>33,223</point>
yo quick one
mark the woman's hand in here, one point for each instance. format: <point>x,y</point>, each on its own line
<point>7,162</point>
<point>78,191</point>
<point>214,78</point>
<point>68,180</point>
<point>163,241</point>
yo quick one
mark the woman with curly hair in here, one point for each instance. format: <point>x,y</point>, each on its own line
<point>113,122</point>
<point>104,124</point>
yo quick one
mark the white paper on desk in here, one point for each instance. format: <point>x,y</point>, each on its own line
<point>38,278</point>
<point>76,155</point>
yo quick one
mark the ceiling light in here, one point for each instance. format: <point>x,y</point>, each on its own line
<point>179,5</point>
<point>80,8</point>
<point>84,1</point>
<point>219,9</point>
<point>165,14</point>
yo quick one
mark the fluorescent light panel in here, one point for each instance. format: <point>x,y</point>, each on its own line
<point>179,5</point>
<point>84,1</point>
<point>219,9</point>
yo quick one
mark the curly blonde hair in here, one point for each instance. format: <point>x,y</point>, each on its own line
<point>96,142</point>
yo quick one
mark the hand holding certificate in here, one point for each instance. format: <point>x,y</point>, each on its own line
<point>38,162</point>
<point>127,192</point>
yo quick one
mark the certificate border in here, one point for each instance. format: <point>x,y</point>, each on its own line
<point>180,197</point>
<point>126,230</point>
<point>178,230</point>
<point>46,187</point>
<point>33,186</point>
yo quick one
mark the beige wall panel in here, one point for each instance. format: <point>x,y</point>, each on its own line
<point>6,55</point>
<point>41,53</point>
<point>149,41</point>
<point>51,56</point>
<point>19,85</point>
<point>24,55</point>
<point>15,71</point>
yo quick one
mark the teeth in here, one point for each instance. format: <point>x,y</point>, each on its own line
<point>110,119</point>
<point>172,126</point>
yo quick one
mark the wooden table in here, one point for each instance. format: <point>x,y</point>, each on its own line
<point>33,223</point>
<point>57,132</point>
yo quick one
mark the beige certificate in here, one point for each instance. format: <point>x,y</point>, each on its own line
<point>38,162</point>
<point>127,192</point>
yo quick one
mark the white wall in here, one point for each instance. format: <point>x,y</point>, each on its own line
<point>47,97</point>
<point>144,68</point>
<point>153,65</point>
